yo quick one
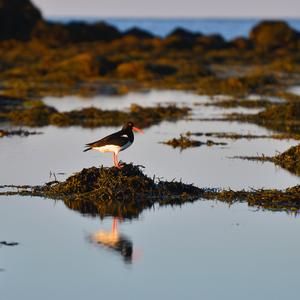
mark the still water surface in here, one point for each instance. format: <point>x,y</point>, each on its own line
<point>204,250</point>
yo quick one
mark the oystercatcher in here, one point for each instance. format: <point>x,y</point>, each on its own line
<point>115,142</point>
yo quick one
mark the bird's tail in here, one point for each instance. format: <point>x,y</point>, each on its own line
<point>87,149</point>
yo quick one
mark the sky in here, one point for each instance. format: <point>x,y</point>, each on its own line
<point>171,8</point>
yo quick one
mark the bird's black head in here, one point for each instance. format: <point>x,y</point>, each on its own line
<point>130,127</point>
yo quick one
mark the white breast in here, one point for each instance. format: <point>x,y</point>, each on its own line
<point>109,148</point>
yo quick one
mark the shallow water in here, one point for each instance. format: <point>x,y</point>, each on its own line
<point>295,90</point>
<point>201,250</point>
<point>59,150</point>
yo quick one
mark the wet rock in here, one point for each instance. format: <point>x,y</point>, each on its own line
<point>242,43</point>
<point>161,69</point>
<point>181,39</point>
<point>138,33</point>
<point>106,65</point>
<point>269,35</point>
<point>212,42</point>
<point>82,32</point>
<point>17,19</point>
<point>183,33</point>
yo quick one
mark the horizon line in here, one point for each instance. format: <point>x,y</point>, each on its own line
<point>178,17</point>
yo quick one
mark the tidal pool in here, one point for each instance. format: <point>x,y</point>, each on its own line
<point>204,250</point>
<point>201,250</point>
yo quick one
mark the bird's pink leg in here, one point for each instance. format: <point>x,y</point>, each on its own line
<point>115,225</point>
<point>116,162</point>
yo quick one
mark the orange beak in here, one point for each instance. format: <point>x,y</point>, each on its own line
<point>137,129</point>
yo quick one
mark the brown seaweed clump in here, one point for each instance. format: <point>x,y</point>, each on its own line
<point>186,142</point>
<point>288,200</point>
<point>110,191</point>
<point>281,117</point>
<point>289,160</point>
<point>248,136</point>
<point>19,132</point>
<point>43,115</point>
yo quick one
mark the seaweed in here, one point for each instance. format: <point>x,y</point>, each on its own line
<point>248,136</point>
<point>127,192</point>
<point>110,191</point>
<point>19,132</point>
<point>43,115</point>
<point>271,199</point>
<point>289,160</point>
<point>240,103</point>
<point>185,142</point>
<point>284,118</point>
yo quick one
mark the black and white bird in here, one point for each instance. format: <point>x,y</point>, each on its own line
<point>115,142</point>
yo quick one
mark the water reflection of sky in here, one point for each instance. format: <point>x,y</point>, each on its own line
<point>30,160</point>
<point>203,250</point>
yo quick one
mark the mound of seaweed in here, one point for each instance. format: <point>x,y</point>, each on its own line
<point>110,191</point>
<point>43,115</point>
<point>288,200</point>
<point>185,142</point>
<point>289,160</point>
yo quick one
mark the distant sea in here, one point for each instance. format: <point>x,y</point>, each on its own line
<point>228,28</point>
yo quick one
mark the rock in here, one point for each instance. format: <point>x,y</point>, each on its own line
<point>17,19</point>
<point>183,33</point>
<point>269,35</point>
<point>82,32</point>
<point>161,69</point>
<point>242,43</point>
<point>106,65</point>
<point>138,33</point>
<point>212,42</point>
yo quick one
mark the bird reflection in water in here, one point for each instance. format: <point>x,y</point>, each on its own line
<point>115,241</point>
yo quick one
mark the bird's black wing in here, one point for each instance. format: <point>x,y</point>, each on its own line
<point>112,139</point>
